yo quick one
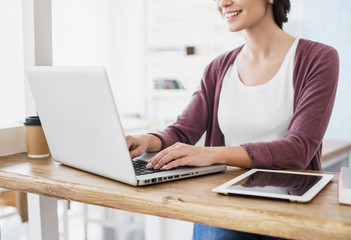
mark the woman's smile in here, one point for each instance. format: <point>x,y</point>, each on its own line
<point>229,16</point>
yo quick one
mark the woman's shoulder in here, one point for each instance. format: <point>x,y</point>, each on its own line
<point>308,49</point>
<point>224,60</point>
<point>315,62</point>
<point>217,68</point>
<point>228,56</point>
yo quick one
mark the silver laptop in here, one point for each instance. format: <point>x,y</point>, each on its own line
<point>83,129</point>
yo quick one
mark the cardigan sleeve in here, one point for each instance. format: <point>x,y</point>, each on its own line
<point>315,90</point>
<point>193,121</point>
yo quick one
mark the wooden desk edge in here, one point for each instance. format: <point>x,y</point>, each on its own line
<point>249,220</point>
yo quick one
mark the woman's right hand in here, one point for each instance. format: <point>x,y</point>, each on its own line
<point>139,144</point>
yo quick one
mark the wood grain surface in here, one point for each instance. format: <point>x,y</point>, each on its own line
<point>188,199</point>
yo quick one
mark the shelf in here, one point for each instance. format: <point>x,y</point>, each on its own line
<point>187,5</point>
<point>184,24</point>
<point>169,30</point>
<point>179,59</point>
<point>235,40</point>
<point>171,93</point>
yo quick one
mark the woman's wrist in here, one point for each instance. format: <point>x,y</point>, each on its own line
<point>219,155</point>
<point>233,156</point>
<point>153,143</point>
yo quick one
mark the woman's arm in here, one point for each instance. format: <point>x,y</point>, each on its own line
<point>190,124</point>
<point>181,154</point>
<point>315,89</point>
<point>316,73</point>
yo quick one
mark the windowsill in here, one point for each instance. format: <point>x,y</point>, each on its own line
<point>11,126</point>
<point>12,140</point>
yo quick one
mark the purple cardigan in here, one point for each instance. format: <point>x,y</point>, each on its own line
<point>315,78</point>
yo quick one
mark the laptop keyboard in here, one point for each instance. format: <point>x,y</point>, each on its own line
<point>140,168</point>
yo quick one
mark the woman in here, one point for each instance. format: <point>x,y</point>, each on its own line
<point>266,104</point>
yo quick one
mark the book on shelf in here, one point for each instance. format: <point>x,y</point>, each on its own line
<point>172,51</point>
<point>344,186</point>
<point>168,84</point>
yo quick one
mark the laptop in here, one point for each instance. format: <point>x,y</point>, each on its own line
<point>83,130</point>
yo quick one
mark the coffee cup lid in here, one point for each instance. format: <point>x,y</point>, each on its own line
<point>32,121</point>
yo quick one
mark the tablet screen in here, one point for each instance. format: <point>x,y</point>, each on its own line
<point>275,182</point>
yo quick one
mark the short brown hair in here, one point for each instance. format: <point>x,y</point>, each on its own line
<point>280,11</point>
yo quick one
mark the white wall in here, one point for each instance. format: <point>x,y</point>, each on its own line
<point>11,63</point>
<point>330,24</point>
<point>105,33</point>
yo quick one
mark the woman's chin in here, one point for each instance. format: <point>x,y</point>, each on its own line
<point>234,28</point>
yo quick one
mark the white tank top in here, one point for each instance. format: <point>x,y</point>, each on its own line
<point>257,113</point>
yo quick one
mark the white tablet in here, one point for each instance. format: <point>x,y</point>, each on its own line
<point>293,186</point>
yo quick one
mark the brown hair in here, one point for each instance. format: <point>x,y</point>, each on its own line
<point>280,11</point>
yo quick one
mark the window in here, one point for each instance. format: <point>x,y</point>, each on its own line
<point>11,63</point>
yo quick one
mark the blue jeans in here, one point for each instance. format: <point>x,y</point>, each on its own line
<point>204,232</point>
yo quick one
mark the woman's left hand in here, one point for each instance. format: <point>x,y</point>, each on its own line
<point>181,154</point>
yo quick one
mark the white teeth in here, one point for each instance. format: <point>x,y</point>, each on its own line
<point>228,15</point>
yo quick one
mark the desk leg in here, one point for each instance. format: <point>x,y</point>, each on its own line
<point>43,218</point>
<point>155,228</point>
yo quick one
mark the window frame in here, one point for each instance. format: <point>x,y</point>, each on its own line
<point>37,47</point>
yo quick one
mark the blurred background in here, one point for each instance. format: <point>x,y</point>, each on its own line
<point>155,52</point>
<point>149,47</point>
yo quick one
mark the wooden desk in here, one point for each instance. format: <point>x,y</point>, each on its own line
<point>189,200</point>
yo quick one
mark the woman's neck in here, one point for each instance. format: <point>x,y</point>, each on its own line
<point>264,41</point>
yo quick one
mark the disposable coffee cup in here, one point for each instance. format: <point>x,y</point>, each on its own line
<point>36,144</point>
